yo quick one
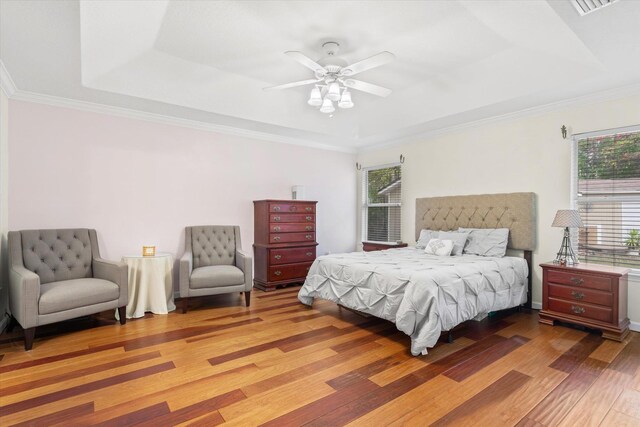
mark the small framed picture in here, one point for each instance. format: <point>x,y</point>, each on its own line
<point>148,251</point>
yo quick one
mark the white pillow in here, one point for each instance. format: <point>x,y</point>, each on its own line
<point>487,241</point>
<point>425,236</point>
<point>439,247</point>
<point>459,239</point>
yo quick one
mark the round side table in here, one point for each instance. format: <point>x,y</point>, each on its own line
<point>150,284</point>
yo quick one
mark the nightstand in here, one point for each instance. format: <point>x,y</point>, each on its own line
<point>591,295</point>
<point>381,246</point>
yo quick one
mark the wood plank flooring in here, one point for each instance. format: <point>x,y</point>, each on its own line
<point>279,363</point>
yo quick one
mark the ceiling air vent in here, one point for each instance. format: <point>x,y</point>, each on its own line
<point>587,6</point>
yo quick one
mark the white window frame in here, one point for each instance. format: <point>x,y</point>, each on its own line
<point>365,200</point>
<point>574,176</point>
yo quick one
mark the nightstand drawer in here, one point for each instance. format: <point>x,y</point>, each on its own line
<point>578,294</point>
<point>579,280</point>
<point>588,311</point>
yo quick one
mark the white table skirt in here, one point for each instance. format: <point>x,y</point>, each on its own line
<point>150,285</point>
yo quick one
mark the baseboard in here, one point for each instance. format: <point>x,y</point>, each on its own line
<point>634,326</point>
<point>536,305</point>
<point>4,322</point>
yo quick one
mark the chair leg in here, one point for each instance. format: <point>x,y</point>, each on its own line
<point>122,314</point>
<point>29,333</point>
<point>247,298</point>
<point>12,324</point>
<point>185,305</point>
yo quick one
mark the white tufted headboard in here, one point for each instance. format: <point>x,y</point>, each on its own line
<point>515,211</point>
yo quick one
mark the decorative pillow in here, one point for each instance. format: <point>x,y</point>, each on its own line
<point>487,241</point>
<point>459,239</point>
<point>439,247</point>
<point>425,236</point>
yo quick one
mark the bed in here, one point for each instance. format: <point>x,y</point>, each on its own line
<point>423,294</point>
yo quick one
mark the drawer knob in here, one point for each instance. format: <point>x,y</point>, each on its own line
<point>278,256</point>
<point>276,218</point>
<point>293,208</point>
<point>577,310</point>
<point>308,237</point>
<point>276,228</point>
<point>308,218</point>
<point>309,253</point>
<point>577,295</point>
<point>308,209</point>
<point>276,208</point>
<point>277,238</point>
<point>577,280</point>
<point>277,272</point>
<point>308,228</point>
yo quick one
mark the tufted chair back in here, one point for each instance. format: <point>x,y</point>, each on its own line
<point>57,255</point>
<point>213,244</point>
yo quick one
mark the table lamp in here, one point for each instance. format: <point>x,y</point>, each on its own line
<point>566,218</point>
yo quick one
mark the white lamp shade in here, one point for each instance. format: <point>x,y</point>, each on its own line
<point>567,218</point>
<point>334,92</point>
<point>327,106</point>
<point>345,100</point>
<point>315,99</point>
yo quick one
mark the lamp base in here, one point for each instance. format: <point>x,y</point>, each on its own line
<point>565,255</point>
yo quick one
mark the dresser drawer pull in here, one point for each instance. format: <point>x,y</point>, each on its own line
<point>278,256</point>
<point>308,209</point>
<point>276,208</point>
<point>293,208</point>
<point>577,310</point>
<point>276,218</point>
<point>308,228</point>
<point>308,218</point>
<point>308,237</point>
<point>277,272</point>
<point>277,238</point>
<point>577,280</point>
<point>577,295</point>
<point>276,228</point>
<point>309,253</point>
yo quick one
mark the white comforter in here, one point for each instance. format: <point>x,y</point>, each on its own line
<point>422,294</point>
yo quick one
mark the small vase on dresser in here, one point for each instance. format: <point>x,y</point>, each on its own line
<point>284,242</point>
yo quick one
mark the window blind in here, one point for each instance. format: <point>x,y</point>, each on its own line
<point>607,195</point>
<point>382,207</point>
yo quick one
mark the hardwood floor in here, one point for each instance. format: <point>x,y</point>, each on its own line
<point>280,363</point>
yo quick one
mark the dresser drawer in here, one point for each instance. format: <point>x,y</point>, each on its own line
<point>291,227</point>
<point>579,280</point>
<point>288,256</point>
<point>587,311</point>
<point>292,218</point>
<point>579,294</point>
<point>292,207</point>
<point>289,271</point>
<point>291,237</point>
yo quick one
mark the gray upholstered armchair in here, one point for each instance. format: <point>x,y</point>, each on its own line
<point>56,275</point>
<point>214,263</point>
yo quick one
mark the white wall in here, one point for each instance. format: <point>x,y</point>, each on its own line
<point>521,154</point>
<point>4,202</point>
<point>139,182</point>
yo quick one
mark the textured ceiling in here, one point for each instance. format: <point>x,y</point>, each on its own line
<point>456,61</point>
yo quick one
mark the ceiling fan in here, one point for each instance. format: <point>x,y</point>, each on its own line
<point>332,77</point>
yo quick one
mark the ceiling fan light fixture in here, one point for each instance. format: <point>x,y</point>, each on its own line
<point>327,106</point>
<point>345,100</point>
<point>334,92</point>
<point>315,99</point>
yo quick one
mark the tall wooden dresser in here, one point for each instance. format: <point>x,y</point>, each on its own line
<point>284,241</point>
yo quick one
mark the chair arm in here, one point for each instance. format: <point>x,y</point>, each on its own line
<point>186,267</point>
<point>24,293</point>
<point>116,272</point>
<point>244,263</point>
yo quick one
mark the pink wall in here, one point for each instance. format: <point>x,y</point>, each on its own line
<point>139,182</point>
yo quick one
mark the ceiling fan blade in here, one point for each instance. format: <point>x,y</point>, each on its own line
<point>367,87</point>
<point>367,64</point>
<point>306,61</point>
<point>293,84</point>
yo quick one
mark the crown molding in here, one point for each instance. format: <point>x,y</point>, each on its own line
<point>6,82</point>
<point>606,95</point>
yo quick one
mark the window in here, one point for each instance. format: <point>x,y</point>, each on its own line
<point>382,210</point>
<point>606,182</point>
